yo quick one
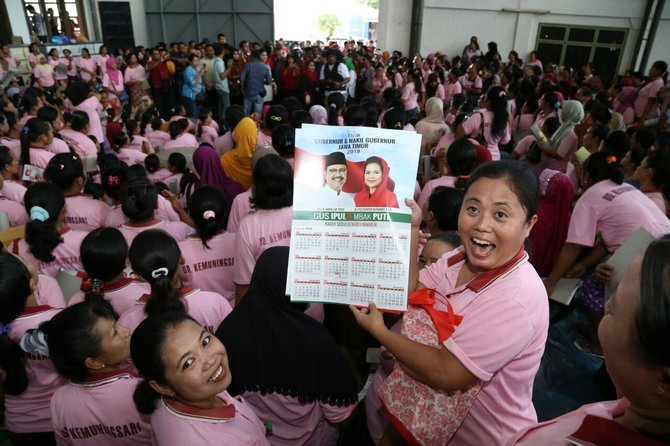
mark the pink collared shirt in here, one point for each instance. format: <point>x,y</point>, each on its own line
<point>500,341</point>
<point>157,137</point>
<point>13,144</point>
<point>131,156</point>
<point>80,142</point>
<point>90,107</point>
<point>85,213</point>
<point>58,146</point>
<point>121,294</point>
<point>176,424</point>
<point>88,64</point>
<point>137,73</point>
<point>240,208</point>
<point>40,157</point>
<point>137,143</point>
<point>210,268</point>
<point>16,213</point>
<point>208,135</point>
<point>29,412</point>
<point>14,190</point>
<point>429,187</point>
<point>224,143</point>
<point>66,253</point>
<point>181,141</point>
<point>472,127</point>
<point>100,411</point>
<point>178,230</point>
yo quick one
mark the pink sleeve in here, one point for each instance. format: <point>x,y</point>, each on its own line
<point>431,276</point>
<point>336,414</point>
<point>583,223</point>
<point>491,335</point>
<point>523,146</point>
<point>568,145</point>
<point>406,90</point>
<point>245,261</point>
<point>165,211</point>
<point>478,82</point>
<point>472,125</point>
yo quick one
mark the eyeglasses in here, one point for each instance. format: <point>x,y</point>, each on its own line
<point>341,170</point>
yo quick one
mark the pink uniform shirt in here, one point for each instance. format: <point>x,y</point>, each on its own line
<point>138,141</point>
<point>16,213</point>
<point>429,187</point>
<point>207,308</point>
<point>80,142</point>
<point>14,191</point>
<point>12,144</point>
<point>181,141</point>
<point>648,91</point>
<point>241,208</point>
<point>85,213</point>
<point>58,146</point>
<point>472,127</point>
<point>410,97</point>
<point>48,292</point>
<point>102,62</point>
<point>40,157</point>
<point>224,143</point>
<point>29,412</point>
<point>44,78</point>
<point>256,233</point>
<point>157,137</point>
<point>659,200</point>
<point>66,253</point>
<point>100,411</point>
<point>615,211</point>
<point>500,341</point>
<point>263,139</point>
<point>159,175</point>
<point>210,269</point>
<point>135,73</point>
<point>90,107</point>
<point>295,423</point>
<point>178,230</point>
<point>566,148</point>
<point>121,294</point>
<point>208,135</point>
<point>88,64</point>
<point>176,424</point>
<point>131,156</point>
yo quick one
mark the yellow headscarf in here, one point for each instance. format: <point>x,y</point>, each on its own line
<point>237,162</point>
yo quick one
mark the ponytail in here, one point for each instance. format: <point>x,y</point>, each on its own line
<point>103,255</point>
<point>44,203</point>
<point>178,161</point>
<point>604,166</point>
<point>145,398</point>
<point>14,292</point>
<point>34,128</point>
<point>497,99</point>
<point>207,207</point>
<point>131,126</point>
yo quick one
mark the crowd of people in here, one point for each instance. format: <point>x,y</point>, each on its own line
<point>172,166</point>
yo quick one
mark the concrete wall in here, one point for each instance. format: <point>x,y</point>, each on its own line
<point>448,25</point>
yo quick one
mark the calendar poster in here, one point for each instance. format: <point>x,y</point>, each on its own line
<point>351,228</point>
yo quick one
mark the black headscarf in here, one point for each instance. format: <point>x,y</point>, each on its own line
<point>274,348</point>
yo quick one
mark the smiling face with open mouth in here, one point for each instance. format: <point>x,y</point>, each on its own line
<point>492,224</point>
<point>196,365</point>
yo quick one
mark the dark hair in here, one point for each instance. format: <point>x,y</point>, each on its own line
<point>204,200</point>
<point>152,163</point>
<point>275,116</point>
<point>156,123</point>
<point>394,118</point>
<point>392,97</point>
<point>371,107</point>
<point>520,179</point>
<point>497,99</point>
<point>272,183</point>
<point>651,323</point>
<point>618,143</point>
<point>374,160</point>
<point>177,127</point>
<point>137,170</point>
<point>139,197</point>
<point>445,204</point>
<point>72,337</point>
<point>335,105</point>
<point>155,256</point>
<point>234,114</point>
<point>112,179</point>
<point>14,292</point>
<point>461,158</point>
<point>178,161</point>
<point>131,126</point>
<point>355,115</point>
<point>659,163</point>
<point>78,120</point>
<point>283,141</point>
<point>78,92</point>
<point>5,157</point>
<point>48,113</point>
<point>35,127</point>
<point>300,117</point>
<point>662,66</point>
<point>146,348</point>
<point>64,169</point>
<point>603,166</point>
<point>103,254</point>
<point>637,154</point>
<point>42,236</point>
<point>598,111</point>
<point>645,137</point>
<point>599,131</point>
<point>118,141</point>
<point>416,75</point>
<point>450,237</point>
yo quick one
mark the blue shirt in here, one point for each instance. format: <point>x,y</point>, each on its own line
<point>255,75</point>
<point>191,88</point>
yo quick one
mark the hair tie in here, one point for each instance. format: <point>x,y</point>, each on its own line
<point>38,213</point>
<point>611,159</point>
<point>61,167</point>
<point>5,328</point>
<point>25,130</point>
<point>502,93</point>
<point>208,214</point>
<point>113,180</point>
<point>276,118</point>
<point>158,272</point>
<point>90,285</point>
<point>333,105</point>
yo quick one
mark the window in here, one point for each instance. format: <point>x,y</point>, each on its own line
<point>574,46</point>
<point>61,17</point>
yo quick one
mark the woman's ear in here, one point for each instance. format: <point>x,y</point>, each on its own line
<point>160,388</point>
<point>94,364</point>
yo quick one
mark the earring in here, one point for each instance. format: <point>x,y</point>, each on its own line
<point>660,390</point>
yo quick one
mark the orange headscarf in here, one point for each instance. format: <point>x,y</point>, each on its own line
<point>237,162</point>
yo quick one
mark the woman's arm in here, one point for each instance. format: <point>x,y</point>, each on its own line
<point>566,258</point>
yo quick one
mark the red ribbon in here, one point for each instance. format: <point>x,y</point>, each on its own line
<point>445,321</point>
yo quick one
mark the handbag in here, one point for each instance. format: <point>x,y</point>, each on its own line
<point>480,138</point>
<point>421,414</point>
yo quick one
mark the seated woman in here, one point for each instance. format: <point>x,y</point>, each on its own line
<point>653,175</point>
<point>155,257</point>
<point>454,383</point>
<point>632,335</point>
<point>75,134</point>
<point>376,192</point>
<point>121,146</point>
<point>237,162</point>
<point>49,243</point>
<point>210,173</point>
<point>87,345</point>
<point>186,374</point>
<point>558,149</point>
<point>82,211</point>
<point>270,224</point>
<point>180,136</point>
<point>288,368</point>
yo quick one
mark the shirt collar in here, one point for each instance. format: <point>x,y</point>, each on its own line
<point>488,277</point>
<point>216,415</point>
<point>144,224</point>
<point>104,378</point>
<point>183,293</point>
<point>35,309</point>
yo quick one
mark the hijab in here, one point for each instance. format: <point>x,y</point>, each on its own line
<point>319,115</point>
<point>572,114</point>
<point>208,167</point>
<point>382,196</point>
<point>237,162</point>
<point>434,111</point>
<point>275,348</point>
<point>626,99</point>
<point>112,72</point>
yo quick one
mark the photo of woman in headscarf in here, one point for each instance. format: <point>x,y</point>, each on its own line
<point>376,192</point>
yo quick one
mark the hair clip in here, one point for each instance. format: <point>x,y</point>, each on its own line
<point>25,130</point>
<point>276,118</point>
<point>502,93</point>
<point>61,167</point>
<point>208,214</point>
<point>158,272</point>
<point>113,180</point>
<point>5,328</point>
<point>611,159</point>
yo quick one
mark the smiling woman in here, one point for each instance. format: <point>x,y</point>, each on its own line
<point>504,309</point>
<point>186,374</point>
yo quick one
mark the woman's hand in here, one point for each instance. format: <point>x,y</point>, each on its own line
<point>604,272</point>
<point>371,319</point>
<point>416,213</point>
<point>576,271</point>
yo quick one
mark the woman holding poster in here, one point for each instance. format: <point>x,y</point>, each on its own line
<point>474,332</point>
<point>375,193</point>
